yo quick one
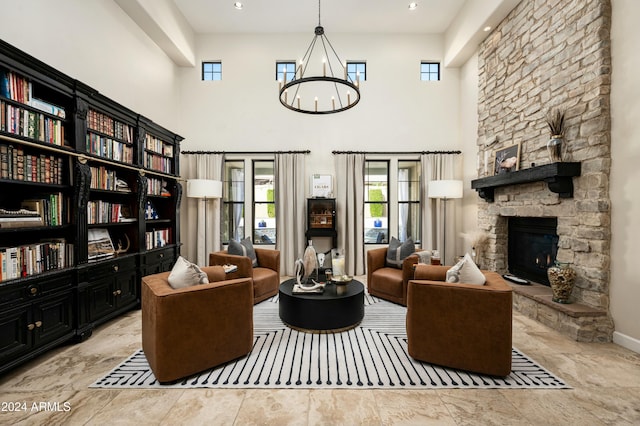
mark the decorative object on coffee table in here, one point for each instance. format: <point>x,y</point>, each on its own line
<point>310,263</point>
<point>561,278</point>
<point>556,144</point>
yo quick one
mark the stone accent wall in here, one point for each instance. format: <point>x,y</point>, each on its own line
<point>548,54</point>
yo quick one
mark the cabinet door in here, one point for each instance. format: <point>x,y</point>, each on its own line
<point>101,297</point>
<point>15,336</point>
<point>126,288</point>
<point>53,318</point>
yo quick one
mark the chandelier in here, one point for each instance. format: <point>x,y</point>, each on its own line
<point>327,93</point>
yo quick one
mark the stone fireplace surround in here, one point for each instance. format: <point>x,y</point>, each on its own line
<point>548,54</point>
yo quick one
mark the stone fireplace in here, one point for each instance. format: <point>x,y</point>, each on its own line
<point>544,55</point>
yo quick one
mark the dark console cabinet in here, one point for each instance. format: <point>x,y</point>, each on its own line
<point>321,218</point>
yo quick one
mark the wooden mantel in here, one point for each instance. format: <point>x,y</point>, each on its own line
<point>558,176</point>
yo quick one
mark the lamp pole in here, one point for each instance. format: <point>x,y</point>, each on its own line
<point>205,189</point>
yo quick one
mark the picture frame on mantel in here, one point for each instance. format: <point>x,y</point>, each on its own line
<point>507,159</point>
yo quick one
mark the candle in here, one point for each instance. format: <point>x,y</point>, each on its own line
<point>285,96</point>
<point>348,97</point>
<point>338,266</point>
<point>279,85</point>
<point>324,67</point>
<point>345,70</point>
<point>333,102</point>
<point>284,73</point>
<point>316,100</point>
<point>358,78</point>
<point>298,99</point>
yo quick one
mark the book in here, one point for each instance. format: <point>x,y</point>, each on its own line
<point>48,107</point>
<point>100,244</point>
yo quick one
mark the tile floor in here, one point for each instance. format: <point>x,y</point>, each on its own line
<point>53,389</point>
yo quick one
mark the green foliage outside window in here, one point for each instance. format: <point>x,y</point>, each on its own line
<point>271,208</point>
<point>376,210</point>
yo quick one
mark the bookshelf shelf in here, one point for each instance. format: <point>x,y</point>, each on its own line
<point>86,166</point>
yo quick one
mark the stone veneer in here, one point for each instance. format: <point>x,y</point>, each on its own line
<point>548,54</point>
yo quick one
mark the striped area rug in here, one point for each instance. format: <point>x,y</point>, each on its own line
<point>372,355</point>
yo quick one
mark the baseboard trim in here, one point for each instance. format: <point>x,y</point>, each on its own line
<point>626,341</point>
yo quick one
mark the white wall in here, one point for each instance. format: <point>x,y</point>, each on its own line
<point>97,43</point>
<point>469,137</point>
<point>242,112</point>
<point>625,174</point>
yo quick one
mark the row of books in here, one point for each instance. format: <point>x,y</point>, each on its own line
<point>31,259</point>
<point>107,179</point>
<point>19,89</point>
<point>157,238</point>
<point>100,211</point>
<point>52,208</point>
<point>105,124</point>
<point>30,124</point>
<point>156,162</point>
<point>18,164</point>
<point>158,146</point>
<point>109,148</point>
<point>157,187</point>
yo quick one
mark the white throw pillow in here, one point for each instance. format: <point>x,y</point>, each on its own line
<point>185,274</point>
<point>466,271</point>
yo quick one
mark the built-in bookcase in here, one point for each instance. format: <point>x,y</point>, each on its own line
<point>77,174</point>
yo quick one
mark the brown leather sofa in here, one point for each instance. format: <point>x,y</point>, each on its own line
<point>387,282</point>
<point>266,276</point>
<point>189,330</point>
<point>463,326</point>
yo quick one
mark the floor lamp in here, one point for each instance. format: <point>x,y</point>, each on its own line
<point>206,189</point>
<point>444,190</point>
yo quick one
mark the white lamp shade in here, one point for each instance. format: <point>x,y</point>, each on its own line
<point>444,189</point>
<point>204,188</point>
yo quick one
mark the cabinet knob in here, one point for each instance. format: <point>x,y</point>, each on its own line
<point>31,327</point>
<point>161,255</point>
<point>117,292</point>
<point>33,290</point>
<point>115,268</point>
<point>38,324</point>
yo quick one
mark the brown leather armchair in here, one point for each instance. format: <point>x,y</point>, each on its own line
<point>189,330</point>
<point>463,326</point>
<point>387,282</point>
<point>266,276</point>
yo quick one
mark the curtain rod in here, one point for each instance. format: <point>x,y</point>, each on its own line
<point>396,152</point>
<point>245,152</point>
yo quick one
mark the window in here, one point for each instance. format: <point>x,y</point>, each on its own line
<point>264,207</point>
<point>290,66</point>
<point>233,201</point>
<point>376,202</point>
<point>429,71</point>
<point>357,70</point>
<point>212,71</point>
<point>409,200</point>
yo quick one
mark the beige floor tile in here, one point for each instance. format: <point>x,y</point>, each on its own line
<point>481,407</point>
<point>343,407</point>
<point>274,407</point>
<point>206,407</point>
<point>412,407</point>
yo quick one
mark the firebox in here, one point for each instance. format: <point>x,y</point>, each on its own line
<point>533,246</point>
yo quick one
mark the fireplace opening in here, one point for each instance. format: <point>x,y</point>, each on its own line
<point>533,246</point>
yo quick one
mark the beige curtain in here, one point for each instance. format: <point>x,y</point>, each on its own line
<point>290,208</point>
<point>349,190</point>
<point>436,167</point>
<point>192,210</point>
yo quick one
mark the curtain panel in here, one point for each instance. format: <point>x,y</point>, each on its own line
<point>196,246</point>
<point>349,189</point>
<point>436,167</point>
<point>289,170</point>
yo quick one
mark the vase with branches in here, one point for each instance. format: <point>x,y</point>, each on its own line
<point>556,144</point>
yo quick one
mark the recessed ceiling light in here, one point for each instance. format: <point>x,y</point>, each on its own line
<point>238,5</point>
<point>486,29</point>
<point>413,5</point>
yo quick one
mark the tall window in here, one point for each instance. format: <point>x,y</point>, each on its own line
<point>357,70</point>
<point>233,201</point>
<point>376,202</point>
<point>429,71</point>
<point>281,66</point>
<point>409,200</point>
<point>264,207</point>
<point>211,71</point>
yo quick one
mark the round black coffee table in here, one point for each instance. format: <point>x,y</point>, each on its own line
<point>339,307</point>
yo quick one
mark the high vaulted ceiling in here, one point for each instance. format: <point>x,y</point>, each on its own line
<point>175,24</point>
<point>337,16</point>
